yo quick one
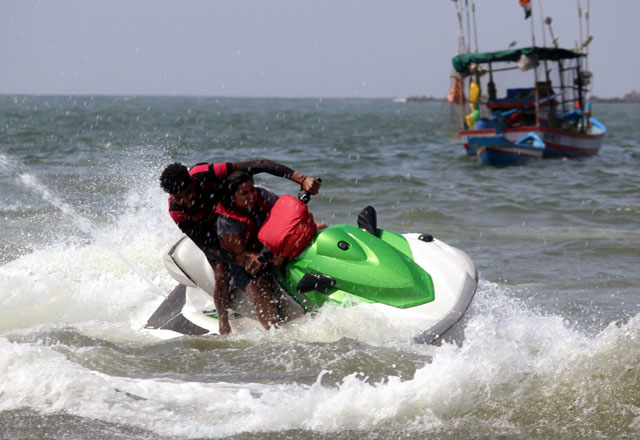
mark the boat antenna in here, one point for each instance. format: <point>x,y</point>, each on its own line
<point>461,42</point>
<point>589,38</point>
<point>535,71</point>
<point>544,36</point>
<point>580,22</point>
<point>533,32</point>
<point>466,3</point>
<point>544,44</point>
<point>456,90</point>
<point>586,17</point>
<point>475,26</point>
<point>554,39</point>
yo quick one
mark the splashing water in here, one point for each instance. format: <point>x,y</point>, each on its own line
<point>516,369</point>
<point>8,165</point>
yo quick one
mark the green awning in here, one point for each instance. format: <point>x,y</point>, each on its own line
<point>461,62</point>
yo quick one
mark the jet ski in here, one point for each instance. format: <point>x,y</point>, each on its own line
<point>406,276</point>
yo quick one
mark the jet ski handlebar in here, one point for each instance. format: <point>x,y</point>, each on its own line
<point>264,256</point>
<point>305,196</point>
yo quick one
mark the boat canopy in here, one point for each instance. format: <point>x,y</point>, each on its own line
<point>461,62</point>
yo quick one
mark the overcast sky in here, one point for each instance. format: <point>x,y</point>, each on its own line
<point>288,48</point>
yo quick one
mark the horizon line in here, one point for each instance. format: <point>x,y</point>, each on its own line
<point>179,95</point>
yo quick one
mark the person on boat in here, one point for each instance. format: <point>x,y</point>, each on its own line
<point>193,196</point>
<point>242,210</point>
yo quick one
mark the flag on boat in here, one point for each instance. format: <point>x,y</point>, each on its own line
<point>526,4</point>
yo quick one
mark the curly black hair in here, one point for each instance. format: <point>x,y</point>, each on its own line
<point>230,185</point>
<point>174,177</point>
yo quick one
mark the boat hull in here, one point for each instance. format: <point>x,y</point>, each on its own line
<point>558,143</point>
<point>499,151</point>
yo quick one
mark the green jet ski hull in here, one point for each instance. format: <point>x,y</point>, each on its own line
<point>370,268</point>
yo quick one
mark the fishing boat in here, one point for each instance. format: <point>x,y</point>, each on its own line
<point>550,118</point>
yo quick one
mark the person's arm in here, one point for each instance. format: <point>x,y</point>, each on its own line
<point>245,258</point>
<point>253,167</point>
<point>231,235</point>
<point>217,253</point>
<point>200,234</point>
<point>308,184</point>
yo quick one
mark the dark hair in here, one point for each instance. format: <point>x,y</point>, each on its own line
<point>230,186</point>
<point>174,178</point>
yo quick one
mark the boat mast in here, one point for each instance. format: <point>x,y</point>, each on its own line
<point>580,76</point>
<point>546,66</point>
<point>554,41</point>
<point>466,4</point>
<point>475,26</point>
<point>478,72</point>
<point>461,43</point>
<point>580,21</point>
<point>544,36</point>
<point>535,73</point>
<point>462,48</point>
<point>584,76</point>
<point>586,47</point>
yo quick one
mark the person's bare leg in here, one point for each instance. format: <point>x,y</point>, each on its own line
<point>221,297</point>
<point>277,300</point>
<point>260,291</point>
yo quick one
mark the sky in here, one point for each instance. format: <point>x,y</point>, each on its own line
<point>285,48</point>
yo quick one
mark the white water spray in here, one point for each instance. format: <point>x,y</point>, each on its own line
<point>6,164</point>
<point>9,165</point>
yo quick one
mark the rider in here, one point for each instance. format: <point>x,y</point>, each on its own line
<point>242,210</point>
<point>193,195</point>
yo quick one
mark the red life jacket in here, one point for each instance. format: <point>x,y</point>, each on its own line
<point>289,229</point>
<point>207,176</point>
<point>249,220</point>
<point>215,171</point>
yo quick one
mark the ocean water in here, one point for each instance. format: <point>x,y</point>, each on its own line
<point>550,347</point>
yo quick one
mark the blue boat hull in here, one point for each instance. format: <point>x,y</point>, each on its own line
<point>491,156</point>
<point>497,150</point>
<point>557,143</point>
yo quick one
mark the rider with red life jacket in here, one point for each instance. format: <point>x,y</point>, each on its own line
<point>194,195</point>
<point>242,210</point>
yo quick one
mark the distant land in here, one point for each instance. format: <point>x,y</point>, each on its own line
<point>419,99</point>
<point>633,96</point>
